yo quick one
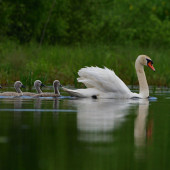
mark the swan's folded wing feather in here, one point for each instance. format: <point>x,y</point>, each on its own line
<point>102,79</point>
<point>81,92</point>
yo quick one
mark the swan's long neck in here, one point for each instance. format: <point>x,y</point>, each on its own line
<point>56,91</point>
<point>143,85</point>
<point>38,89</point>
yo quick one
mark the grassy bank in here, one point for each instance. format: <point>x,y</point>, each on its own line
<point>47,63</point>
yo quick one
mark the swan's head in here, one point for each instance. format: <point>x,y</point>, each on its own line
<point>38,83</point>
<point>56,83</point>
<point>18,85</point>
<point>146,61</point>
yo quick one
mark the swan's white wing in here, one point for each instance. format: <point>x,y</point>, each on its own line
<point>104,80</point>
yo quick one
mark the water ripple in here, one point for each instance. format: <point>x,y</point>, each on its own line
<point>38,110</point>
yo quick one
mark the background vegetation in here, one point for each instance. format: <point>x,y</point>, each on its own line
<point>52,39</point>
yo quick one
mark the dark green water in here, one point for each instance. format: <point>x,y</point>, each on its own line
<point>86,134</point>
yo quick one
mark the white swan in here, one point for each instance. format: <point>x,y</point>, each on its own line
<point>17,86</point>
<point>37,84</point>
<point>56,85</point>
<point>103,83</point>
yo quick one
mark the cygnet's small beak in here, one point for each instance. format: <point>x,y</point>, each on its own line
<point>23,86</point>
<point>42,85</point>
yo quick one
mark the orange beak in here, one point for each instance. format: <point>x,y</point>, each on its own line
<point>151,66</point>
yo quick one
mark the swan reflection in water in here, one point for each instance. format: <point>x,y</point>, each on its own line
<point>97,119</point>
<point>140,124</point>
<point>143,129</point>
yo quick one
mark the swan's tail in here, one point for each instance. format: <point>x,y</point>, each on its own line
<point>74,93</point>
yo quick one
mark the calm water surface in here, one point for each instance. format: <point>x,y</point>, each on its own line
<point>81,134</point>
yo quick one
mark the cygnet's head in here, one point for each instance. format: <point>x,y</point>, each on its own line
<point>18,85</point>
<point>56,83</point>
<point>38,83</point>
<point>0,87</point>
<point>145,60</point>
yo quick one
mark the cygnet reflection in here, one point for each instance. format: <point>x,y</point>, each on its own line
<point>17,110</point>
<point>39,109</point>
<point>17,103</point>
<point>96,119</point>
<point>37,112</point>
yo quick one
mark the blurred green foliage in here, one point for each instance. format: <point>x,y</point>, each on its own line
<point>86,21</point>
<point>47,63</point>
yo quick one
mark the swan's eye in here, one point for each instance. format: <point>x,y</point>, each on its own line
<point>149,61</point>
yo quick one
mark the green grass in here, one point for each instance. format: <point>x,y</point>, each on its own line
<point>47,63</point>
